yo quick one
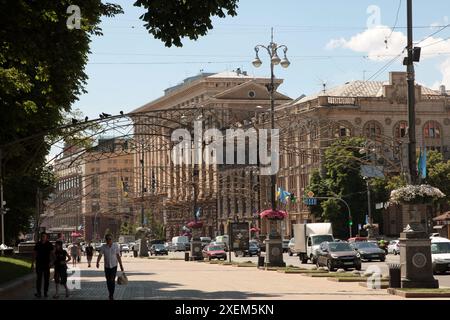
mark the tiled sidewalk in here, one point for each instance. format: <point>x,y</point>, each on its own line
<point>171,279</point>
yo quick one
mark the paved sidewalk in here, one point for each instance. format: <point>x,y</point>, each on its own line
<point>172,279</point>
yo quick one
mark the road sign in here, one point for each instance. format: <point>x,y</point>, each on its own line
<point>372,171</point>
<point>310,201</point>
<point>310,194</point>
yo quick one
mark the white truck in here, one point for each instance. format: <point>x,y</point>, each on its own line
<point>126,239</point>
<point>308,237</point>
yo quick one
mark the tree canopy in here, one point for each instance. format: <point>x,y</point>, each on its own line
<point>172,20</point>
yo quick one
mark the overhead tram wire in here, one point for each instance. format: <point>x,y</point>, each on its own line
<point>434,33</point>
<point>395,23</point>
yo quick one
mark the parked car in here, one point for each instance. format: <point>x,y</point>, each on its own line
<point>368,251</point>
<point>337,255</point>
<point>440,254</point>
<point>158,249</point>
<point>124,248</point>
<point>205,241</point>
<point>436,234</point>
<point>253,250</point>
<point>214,252</point>
<point>394,247</point>
<point>180,243</point>
<point>223,240</point>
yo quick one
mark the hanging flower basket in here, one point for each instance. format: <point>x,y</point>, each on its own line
<point>273,214</point>
<point>412,194</point>
<point>195,224</point>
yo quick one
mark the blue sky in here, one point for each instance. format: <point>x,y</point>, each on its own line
<point>328,42</point>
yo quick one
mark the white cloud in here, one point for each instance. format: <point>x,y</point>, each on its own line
<point>371,42</point>
<point>445,69</point>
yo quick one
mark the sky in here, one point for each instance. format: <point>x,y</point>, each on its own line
<point>328,41</point>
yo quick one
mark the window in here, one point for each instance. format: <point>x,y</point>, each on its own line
<point>251,94</point>
<point>401,129</point>
<point>431,129</point>
<point>342,131</point>
<point>372,129</point>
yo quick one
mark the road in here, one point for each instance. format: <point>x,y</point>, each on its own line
<point>444,280</point>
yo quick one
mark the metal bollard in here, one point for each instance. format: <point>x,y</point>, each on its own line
<point>394,275</point>
<point>260,261</point>
<point>186,256</point>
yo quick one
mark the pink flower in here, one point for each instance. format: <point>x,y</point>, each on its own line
<point>273,214</point>
<point>195,224</point>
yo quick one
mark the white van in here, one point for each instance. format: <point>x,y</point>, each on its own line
<point>180,243</point>
<point>223,240</point>
<point>440,254</point>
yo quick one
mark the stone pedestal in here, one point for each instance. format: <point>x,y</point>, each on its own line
<point>196,246</point>
<point>274,245</point>
<point>143,248</point>
<point>415,258</point>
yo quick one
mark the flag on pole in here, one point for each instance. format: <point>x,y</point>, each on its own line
<point>422,164</point>
<point>197,213</point>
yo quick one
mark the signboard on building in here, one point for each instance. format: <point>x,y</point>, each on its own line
<point>239,236</point>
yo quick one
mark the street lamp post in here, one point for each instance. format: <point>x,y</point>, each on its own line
<point>274,256</point>
<point>143,249</point>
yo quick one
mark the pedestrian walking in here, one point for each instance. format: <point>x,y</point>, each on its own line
<point>89,253</point>
<point>111,251</point>
<point>74,253</point>
<point>60,262</point>
<point>42,253</point>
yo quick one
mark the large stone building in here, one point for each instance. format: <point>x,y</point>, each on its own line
<point>63,210</point>
<point>373,109</point>
<point>94,190</point>
<point>171,190</point>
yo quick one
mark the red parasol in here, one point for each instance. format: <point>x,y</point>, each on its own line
<point>255,229</point>
<point>76,234</point>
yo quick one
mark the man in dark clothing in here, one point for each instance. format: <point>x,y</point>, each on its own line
<point>89,253</point>
<point>42,253</point>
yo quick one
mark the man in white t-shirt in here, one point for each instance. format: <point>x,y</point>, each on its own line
<point>111,251</point>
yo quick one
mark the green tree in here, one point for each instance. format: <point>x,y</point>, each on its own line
<point>342,178</point>
<point>171,20</point>
<point>41,74</point>
<point>438,173</point>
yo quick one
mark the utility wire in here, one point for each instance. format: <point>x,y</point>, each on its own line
<point>434,33</point>
<point>395,23</point>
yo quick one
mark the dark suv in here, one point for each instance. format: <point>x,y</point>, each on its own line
<point>337,255</point>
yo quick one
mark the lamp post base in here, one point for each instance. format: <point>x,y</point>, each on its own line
<point>415,258</point>
<point>143,248</point>
<point>196,250</point>
<point>274,253</point>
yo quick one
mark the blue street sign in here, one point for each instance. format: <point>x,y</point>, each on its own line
<point>310,201</point>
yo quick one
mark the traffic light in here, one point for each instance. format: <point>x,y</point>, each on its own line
<point>350,221</point>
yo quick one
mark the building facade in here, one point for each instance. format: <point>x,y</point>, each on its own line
<point>371,109</point>
<point>176,192</point>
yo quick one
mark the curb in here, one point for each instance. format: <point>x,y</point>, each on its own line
<point>406,294</point>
